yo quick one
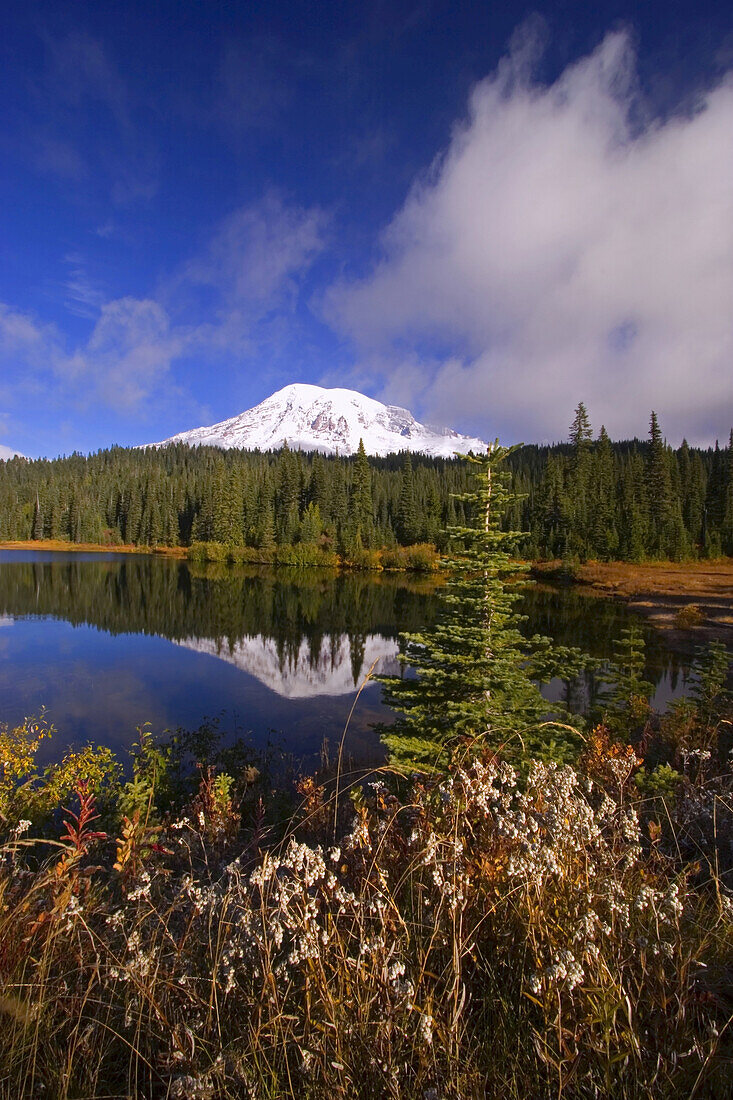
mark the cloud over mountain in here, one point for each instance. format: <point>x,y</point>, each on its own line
<point>565,247</point>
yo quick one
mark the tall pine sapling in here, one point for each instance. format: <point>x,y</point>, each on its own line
<point>474,668</point>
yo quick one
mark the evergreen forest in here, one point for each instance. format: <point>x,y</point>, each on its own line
<point>588,497</point>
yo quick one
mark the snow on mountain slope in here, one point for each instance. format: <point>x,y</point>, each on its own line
<point>8,452</point>
<point>310,418</point>
<point>304,675</point>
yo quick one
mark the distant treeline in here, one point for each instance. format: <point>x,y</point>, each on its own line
<point>584,498</point>
<point>630,500</point>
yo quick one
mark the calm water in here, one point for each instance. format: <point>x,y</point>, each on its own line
<point>107,642</point>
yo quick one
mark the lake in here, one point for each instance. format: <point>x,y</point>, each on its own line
<point>107,642</point>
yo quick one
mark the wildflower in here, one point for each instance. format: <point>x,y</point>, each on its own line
<point>186,1087</point>
<point>425,1029</point>
<point>535,983</point>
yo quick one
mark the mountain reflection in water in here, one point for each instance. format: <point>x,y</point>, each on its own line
<point>336,668</point>
<point>90,638</point>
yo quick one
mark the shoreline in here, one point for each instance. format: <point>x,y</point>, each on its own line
<point>91,547</point>
<point>691,602</point>
<point>184,553</point>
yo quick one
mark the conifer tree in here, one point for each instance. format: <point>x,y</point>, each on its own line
<point>472,676</point>
<point>311,525</point>
<point>227,507</point>
<point>709,689</point>
<point>250,512</point>
<point>362,507</point>
<point>432,523</point>
<point>604,534</point>
<point>633,509</point>
<point>692,493</point>
<point>75,519</point>
<point>37,532</point>
<point>581,433</point>
<point>553,519</point>
<point>658,487</point>
<point>266,528</point>
<point>715,491</point>
<point>407,510</point>
<point>318,486</point>
<point>727,529</point>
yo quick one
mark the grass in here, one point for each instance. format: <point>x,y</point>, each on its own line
<point>547,932</point>
<point>659,577</point>
<point>691,597</point>
<point>90,547</point>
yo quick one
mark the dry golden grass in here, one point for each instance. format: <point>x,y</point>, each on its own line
<point>89,547</point>
<point>662,591</point>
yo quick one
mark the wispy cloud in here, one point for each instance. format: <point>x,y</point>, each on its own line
<point>56,157</point>
<point>80,69</point>
<point>255,256</point>
<point>254,84</point>
<point>564,247</point>
<point>245,285</point>
<point>129,352</point>
<point>83,296</point>
<point>123,363</point>
<point>249,272</point>
<point>80,81</point>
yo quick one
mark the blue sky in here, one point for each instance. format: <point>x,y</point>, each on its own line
<point>481,211</point>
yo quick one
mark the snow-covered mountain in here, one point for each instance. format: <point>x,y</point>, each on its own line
<point>310,418</point>
<point>335,670</point>
<point>8,452</point>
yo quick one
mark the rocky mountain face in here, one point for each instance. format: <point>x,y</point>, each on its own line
<point>310,418</point>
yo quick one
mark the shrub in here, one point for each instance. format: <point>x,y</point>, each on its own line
<point>299,554</point>
<point>208,551</point>
<point>306,554</point>
<point>361,558</point>
<point>34,794</point>
<point>422,557</point>
<point>688,616</point>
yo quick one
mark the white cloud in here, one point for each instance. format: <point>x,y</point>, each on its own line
<point>22,336</point>
<point>130,351</point>
<point>561,251</point>
<point>252,269</point>
<point>122,363</point>
<point>259,251</point>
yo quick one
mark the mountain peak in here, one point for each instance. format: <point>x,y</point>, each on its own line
<point>311,418</point>
<point>7,453</point>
